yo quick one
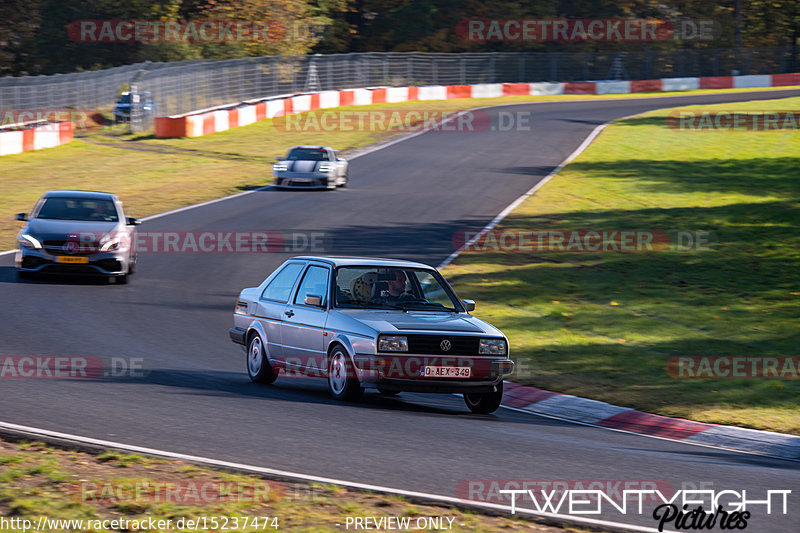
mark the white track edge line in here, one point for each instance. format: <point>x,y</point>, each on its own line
<point>541,183</point>
<point>306,477</point>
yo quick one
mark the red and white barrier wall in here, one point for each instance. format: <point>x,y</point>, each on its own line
<point>203,123</point>
<point>19,138</point>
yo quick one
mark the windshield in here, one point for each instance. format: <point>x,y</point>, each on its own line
<point>392,288</point>
<point>125,99</point>
<point>90,209</point>
<point>307,154</point>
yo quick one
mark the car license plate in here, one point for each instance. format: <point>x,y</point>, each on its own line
<point>302,180</point>
<point>445,372</point>
<point>68,259</point>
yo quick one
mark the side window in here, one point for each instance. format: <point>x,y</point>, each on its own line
<point>281,285</point>
<point>314,282</point>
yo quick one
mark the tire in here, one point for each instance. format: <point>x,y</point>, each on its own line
<point>22,274</point>
<point>484,403</point>
<point>258,367</point>
<point>342,380</point>
<point>344,183</point>
<point>122,280</point>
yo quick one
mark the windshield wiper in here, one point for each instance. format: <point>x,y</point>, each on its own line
<point>356,305</point>
<point>438,306</point>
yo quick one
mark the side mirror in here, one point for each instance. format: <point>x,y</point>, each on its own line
<point>132,221</point>
<point>469,305</point>
<point>313,299</point>
<point>22,216</point>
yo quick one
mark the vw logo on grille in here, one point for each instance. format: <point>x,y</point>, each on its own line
<point>445,345</point>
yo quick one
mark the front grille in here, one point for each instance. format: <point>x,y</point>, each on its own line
<point>431,344</point>
<point>56,247</point>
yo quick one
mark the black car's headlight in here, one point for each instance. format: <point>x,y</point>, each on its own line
<point>29,241</point>
<point>492,347</point>
<point>392,343</point>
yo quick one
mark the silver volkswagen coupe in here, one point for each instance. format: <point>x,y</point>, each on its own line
<point>370,323</point>
<point>311,167</point>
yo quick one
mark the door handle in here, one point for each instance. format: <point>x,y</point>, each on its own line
<point>289,313</point>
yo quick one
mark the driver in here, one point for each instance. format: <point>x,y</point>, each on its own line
<point>396,287</point>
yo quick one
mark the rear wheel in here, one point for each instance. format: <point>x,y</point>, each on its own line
<point>342,380</point>
<point>485,402</point>
<point>258,367</point>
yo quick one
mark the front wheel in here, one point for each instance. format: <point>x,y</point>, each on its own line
<point>342,380</point>
<point>486,402</point>
<point>258,367</point>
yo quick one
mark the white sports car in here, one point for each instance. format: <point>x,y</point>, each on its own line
<point>311,167</point>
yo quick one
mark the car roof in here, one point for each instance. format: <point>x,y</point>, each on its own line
<point>338,261</point>
<point>80,194</point>
<point>310,147</point>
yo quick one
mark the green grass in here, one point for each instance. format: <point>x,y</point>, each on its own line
<point>186,171</point>
<point>90,488</point>
<point>603,325</point>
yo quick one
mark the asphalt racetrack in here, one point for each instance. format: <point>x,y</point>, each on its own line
<point>404,201</point>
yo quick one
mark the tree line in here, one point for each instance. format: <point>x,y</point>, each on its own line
<point>46,36</point>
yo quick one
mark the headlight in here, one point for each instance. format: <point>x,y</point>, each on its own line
<point>326,167</point>
<point>393,343</point>
<point>280,167</point>
<point>113,243</point>
<point>492,347</point>
<point>29,241</point>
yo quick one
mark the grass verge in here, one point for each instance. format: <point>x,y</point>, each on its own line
<point>603,325</point>
<point>37,480</point>
<point>155,175</point>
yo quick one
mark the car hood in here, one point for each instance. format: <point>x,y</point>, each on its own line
<point>389,321</point>
<point>302,166</point>
<point>53,229</point>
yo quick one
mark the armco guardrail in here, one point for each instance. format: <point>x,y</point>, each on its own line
<point>27,136</point>
<point>212,121</point>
